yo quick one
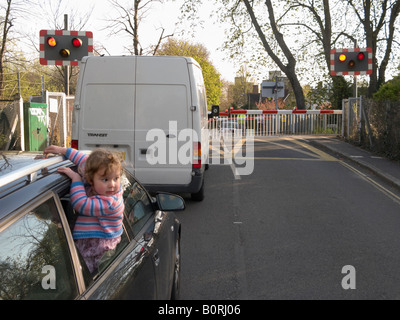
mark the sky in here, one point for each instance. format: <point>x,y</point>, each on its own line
<point>161,15</point>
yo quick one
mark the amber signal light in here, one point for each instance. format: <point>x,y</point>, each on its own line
<point>51,42</point>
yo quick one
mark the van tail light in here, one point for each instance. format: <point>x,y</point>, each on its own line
<point>74,144</point>
<point>196,155</point>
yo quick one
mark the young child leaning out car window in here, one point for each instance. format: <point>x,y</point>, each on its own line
<point>100,205</point>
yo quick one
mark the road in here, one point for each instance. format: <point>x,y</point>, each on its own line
<point>303,225</point>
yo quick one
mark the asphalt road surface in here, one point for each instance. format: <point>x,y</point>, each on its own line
<point>302,225</point>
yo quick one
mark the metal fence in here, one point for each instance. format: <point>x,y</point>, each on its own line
<point>276,122</point>
<point>352,116</point>
<point>373,125</point>
<point>13,126</point>
<point>60,108</point>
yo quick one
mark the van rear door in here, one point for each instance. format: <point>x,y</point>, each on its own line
<point>163,122</point>
<point>107,105</point>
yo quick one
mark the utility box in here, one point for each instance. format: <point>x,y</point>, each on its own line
<point>35,120</point>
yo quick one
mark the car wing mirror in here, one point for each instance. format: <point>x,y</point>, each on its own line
<point>170,202</point>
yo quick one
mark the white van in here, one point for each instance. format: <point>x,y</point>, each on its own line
<point>153,111</point>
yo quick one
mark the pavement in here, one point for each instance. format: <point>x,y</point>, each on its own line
<point>384,168</point>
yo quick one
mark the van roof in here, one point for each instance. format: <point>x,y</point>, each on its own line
<point>188,59</point>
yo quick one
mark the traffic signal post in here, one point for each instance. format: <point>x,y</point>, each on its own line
<point>64,47</point>
<point>351,62</point>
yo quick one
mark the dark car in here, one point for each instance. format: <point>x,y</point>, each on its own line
<point>38,257</point>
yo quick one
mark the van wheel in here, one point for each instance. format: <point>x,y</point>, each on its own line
<point>199,196</point>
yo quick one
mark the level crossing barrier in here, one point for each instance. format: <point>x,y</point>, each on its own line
<point>276,122</point>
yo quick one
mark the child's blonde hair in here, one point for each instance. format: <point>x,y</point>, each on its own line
<point>101,159</point>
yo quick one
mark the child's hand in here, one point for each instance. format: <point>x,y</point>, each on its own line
<point>70,173</point>
<point>55,149</point>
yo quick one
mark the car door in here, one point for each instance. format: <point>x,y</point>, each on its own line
<point>164,258</point>
<point>129,274</point>
<point>139,222</point>
<point>153,230</point>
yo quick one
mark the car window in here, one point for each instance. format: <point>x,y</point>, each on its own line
<point>138,207</point>
<point>34,257</point>
<point>108,257</point>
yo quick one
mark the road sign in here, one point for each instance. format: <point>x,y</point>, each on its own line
<point>64,47</point>
<point>272,89</point>
<point>352,62</point>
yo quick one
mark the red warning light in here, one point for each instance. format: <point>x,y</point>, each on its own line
<point>361,56</point>
<point>76,42</point>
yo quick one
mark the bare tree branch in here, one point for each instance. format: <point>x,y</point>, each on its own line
<point>160,39</point>
<point>128,21</point>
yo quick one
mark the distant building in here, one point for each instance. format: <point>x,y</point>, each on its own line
<point>244,94</point>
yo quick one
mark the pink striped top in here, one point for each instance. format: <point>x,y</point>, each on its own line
<point>99,216</point>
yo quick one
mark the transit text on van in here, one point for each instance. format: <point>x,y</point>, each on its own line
<point>97,134</point>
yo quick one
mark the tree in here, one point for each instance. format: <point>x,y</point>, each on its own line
<point>240,12</point>
<point>288,67</point>
<point>241,88</point>
<point>7,25</point>
<point>212,81</point>
<point>9,11</point>
<point>320,25</point>
<point>53,11</point>
<point>318,21</point>
<point>128,21</point>
<point>378,18</point>
<point>390,91</point>
<point>330,23</point>
<point>226,99</point>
